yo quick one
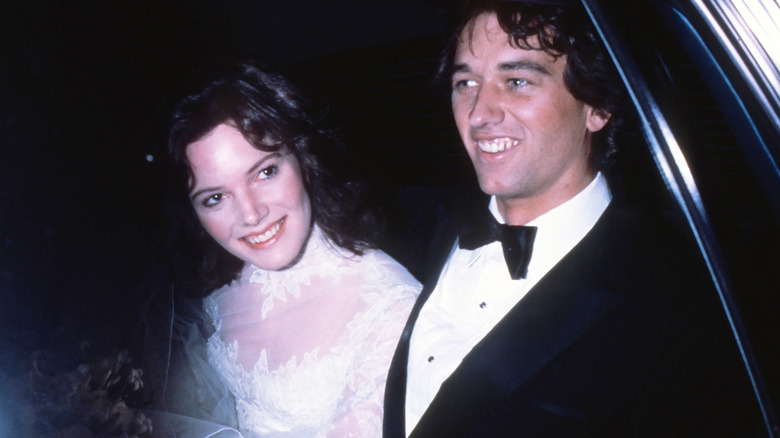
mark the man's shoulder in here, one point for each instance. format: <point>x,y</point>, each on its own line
<point>646,247</point>
<point>635,224</point>
<point>430,222</point>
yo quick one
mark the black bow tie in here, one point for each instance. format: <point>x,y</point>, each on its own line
<point>482,228</point>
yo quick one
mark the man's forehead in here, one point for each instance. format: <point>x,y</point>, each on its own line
<point>485,23</point>
<point>485,28</point>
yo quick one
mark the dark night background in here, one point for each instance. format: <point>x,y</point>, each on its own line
<point>85,90</point>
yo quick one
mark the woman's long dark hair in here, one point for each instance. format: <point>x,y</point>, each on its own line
<point>272,115</point>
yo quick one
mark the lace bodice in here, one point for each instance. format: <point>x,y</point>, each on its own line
<point>305,351</point>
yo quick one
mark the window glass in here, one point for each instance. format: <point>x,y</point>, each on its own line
<point>718,116</point>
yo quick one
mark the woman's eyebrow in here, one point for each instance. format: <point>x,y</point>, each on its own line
<point>251,170</point>
<point>261,161</point>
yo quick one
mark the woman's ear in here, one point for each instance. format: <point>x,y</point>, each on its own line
<point>597,119</point>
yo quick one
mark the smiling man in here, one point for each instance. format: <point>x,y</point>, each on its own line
<point>552,308</point>
<point>527,136</point>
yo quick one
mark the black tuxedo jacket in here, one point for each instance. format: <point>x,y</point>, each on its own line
<point>623,337</point>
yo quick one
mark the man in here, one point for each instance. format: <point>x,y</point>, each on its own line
<point>600,321</point>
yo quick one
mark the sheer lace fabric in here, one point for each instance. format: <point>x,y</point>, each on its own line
<point>305,351</point>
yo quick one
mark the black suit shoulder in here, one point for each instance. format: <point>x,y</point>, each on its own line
<point>432,222</point>
<point>661,361</point>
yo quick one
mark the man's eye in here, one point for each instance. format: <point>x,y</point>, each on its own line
<point>463,84</point>
<point>213,200</point>
<point>516,83</point>
<point>268,172</point>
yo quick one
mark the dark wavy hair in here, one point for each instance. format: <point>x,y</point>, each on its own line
<point>271,114</point>
<point>563,29</point>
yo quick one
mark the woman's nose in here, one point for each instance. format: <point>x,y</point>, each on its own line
<point>251,210</point>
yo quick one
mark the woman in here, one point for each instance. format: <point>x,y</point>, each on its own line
<point>306,312</point>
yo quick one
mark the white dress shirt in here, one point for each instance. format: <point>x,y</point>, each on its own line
<point>475,291</point>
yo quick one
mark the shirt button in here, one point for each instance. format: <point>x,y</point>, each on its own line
<point>482,305</point>
<point>430,358</point>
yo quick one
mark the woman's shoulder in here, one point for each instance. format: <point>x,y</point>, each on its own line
<point>383,282</point>
<point>385,263</point>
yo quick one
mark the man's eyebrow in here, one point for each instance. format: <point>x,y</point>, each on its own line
<point>461,68</point>
<point>508,66</point>
<point>524,65</point>
<point>251,170</point>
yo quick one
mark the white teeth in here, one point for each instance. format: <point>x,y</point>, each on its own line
<point>265,236</point>
<point>497,145</point>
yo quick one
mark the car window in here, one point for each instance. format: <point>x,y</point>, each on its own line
<point>705,85</point>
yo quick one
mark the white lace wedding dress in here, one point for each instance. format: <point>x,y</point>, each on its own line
<point>305,351</point>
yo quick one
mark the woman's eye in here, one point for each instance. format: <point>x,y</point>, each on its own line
<point>212,200</point>
<point>267,172</point>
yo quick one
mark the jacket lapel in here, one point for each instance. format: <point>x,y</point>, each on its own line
<point>552,316</point>
<point>394,422</point>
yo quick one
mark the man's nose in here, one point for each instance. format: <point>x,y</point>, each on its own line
<point>251,210</point>
<point>486,107</point>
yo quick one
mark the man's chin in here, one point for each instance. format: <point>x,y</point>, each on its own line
<point>493,188</point>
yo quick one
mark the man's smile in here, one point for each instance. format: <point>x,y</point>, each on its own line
<point>496,145</point>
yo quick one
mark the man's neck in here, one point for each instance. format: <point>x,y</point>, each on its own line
<point>520,210</point>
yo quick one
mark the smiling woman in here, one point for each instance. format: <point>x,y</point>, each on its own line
<point>252,202</point>
<point>249,114</point>
<point>306,312</point>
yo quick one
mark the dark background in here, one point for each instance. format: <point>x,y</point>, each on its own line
<point>85,89</point>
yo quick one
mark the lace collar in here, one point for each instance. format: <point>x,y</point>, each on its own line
<point>320,258</point>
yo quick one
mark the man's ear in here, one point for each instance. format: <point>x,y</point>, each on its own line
<point>597,118</point>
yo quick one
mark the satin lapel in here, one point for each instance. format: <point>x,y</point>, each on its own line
<point>552,316</point>
<point>395,391</point>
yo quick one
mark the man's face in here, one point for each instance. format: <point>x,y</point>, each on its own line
<point>526,135</point>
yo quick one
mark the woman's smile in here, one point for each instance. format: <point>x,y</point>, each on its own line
<point>266,238</point>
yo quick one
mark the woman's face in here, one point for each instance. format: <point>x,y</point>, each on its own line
<point>251,202</point>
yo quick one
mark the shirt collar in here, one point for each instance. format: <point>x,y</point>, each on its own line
<point>591,201</point>
<point>557,231</point>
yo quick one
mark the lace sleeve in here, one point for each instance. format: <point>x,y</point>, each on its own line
<point>379,329</point>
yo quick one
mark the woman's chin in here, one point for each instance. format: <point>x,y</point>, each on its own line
<point>279,264</point>
<point>276,262</point>
<point>281,255</point>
